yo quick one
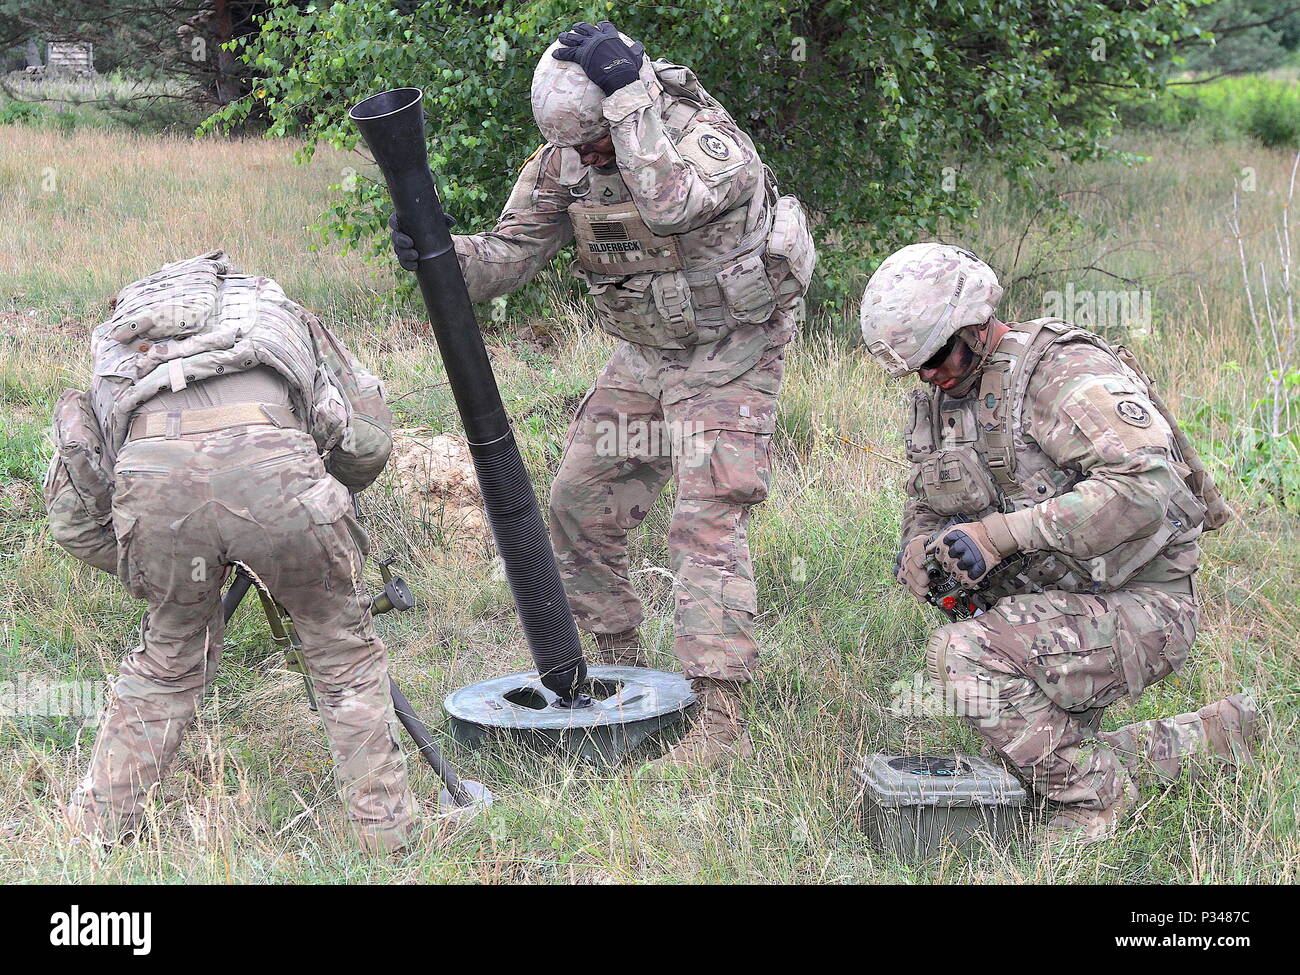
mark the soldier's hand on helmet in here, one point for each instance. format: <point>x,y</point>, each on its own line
<point>909,567</point>
<point>404,246</point>
<point>609,61</point>
<point>973,549</point>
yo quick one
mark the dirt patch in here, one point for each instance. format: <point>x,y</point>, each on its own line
<point>434,474</point>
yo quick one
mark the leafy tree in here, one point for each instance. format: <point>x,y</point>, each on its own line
<point>869,111</point>
<point>1245,35</point>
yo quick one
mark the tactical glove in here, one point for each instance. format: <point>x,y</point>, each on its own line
<point>973,549</point>
<point>909,567</point>
<point>404,246</point>
<point>606,57</point>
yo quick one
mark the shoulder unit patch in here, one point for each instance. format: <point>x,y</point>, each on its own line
<point>712,151</point>
<point>1131,411</point>
<point>714,146</point>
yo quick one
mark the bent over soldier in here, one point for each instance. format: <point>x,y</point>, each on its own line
<point>1048,480</point>
<point>226,424</point>
<point>692,258</point>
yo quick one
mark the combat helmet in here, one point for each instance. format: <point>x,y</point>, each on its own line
<point>919,298</point>
<point>568,107</point>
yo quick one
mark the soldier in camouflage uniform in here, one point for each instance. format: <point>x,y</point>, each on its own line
<point>1047,477</point>
<point>695,262</point>
<point>226,424</point>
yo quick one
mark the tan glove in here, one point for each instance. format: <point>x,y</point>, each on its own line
<point>909,568</point>
<point>973,549</point>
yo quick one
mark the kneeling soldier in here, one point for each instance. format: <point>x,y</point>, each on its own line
<point>1047,479</point>
<point>226,424</point>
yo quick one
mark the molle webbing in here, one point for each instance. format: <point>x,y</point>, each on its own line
<point>1005,385</point>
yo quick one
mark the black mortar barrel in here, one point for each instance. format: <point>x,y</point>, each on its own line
<point>392,123</point>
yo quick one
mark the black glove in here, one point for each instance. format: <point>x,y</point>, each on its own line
<point>404,246</point>
<point>971,550</point>
<point>606,58</point>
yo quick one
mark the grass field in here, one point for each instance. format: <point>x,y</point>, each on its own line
<point>251,797</point>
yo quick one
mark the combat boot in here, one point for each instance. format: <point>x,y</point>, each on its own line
<point>1074,825</point>
<point>620,649</point>
<point>718,735</point>
<point>1230,727</point>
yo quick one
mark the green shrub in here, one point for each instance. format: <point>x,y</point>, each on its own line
<point>1261,107</point>
<point>1266,468</point>
<point>20,112</point>
<point>1274,120</point>
<point>869,114</point>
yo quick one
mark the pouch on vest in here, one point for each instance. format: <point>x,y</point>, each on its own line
<point>956,482</point>
<point>625,306</point>
<point>366,440</point>
<point>78,489</point>
<point>615,239</point>
<point>791,241</point>
<point>747,290</point>
<point>918,433</point>
<point>173,302</point>
<point>672,297</point>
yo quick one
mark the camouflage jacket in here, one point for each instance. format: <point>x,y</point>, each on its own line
<point>684,243</point>
<point>1061,432</point>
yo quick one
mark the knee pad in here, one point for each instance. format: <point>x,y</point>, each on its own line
<point>953,658</point>
<point>953,651</point>
<point>936,653</point>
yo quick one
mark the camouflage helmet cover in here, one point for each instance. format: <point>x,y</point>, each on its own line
<point>568,107</point>
<point>919,298</point>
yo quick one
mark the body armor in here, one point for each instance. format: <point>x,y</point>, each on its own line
<point>973,458</point>
<point>191,321</point>
<point>200,318</point>
<point>676,291</point>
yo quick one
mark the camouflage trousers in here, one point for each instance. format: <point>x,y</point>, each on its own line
<point>649,419</point>
<point>1035,673</point>
<point>185,509</point>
